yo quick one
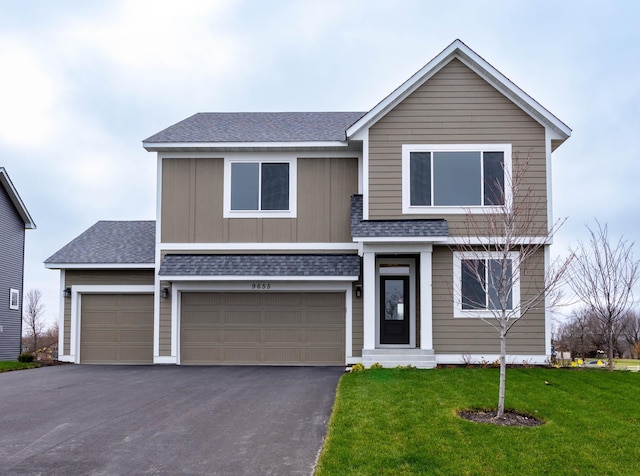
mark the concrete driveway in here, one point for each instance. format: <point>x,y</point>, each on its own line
<point>103,420</point>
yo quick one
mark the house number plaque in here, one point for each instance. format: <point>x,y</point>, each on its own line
<point>260,286</point>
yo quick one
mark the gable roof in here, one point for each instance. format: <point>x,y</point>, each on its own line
<point>256,127</point>
<point>109,242</point>
<point>5,182</point>
<point>458,50</point>
<point>300,265</point>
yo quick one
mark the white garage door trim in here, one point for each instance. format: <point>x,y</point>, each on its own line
<point>76,297</point>
<point>248,286</point>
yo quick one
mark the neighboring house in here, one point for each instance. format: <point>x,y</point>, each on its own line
<point>14,220</point>
<point>316,238</point>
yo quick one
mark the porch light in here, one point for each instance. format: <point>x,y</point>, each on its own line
<point>358,290</point>
<point>165,293</point>
<point>66,292</point>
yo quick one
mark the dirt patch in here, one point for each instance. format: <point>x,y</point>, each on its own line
<point>510,418</point>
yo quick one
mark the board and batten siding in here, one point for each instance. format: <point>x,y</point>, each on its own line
<point>11,276</point>
<point>473,336</point>
<point>73,277</point>
<point>192,204</point>
<point>455,106</point>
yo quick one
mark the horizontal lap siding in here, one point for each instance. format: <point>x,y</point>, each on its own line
<point>192,204</point>
<point>99,278</point>
<point>11,276</point>
<point>473,336</point>
<point>455,106</point>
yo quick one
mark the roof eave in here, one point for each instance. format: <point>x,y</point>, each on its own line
<point>230,146</point>
<point>29,224</point>
<point>99,265</point>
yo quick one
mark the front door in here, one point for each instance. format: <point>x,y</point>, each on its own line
<point>394,310</point>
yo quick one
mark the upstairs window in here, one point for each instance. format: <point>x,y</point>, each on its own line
<point>454,178</point>
<point>259,189</point>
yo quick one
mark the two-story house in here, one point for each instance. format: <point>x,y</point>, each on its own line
<point>14,220</point>
<point>318,238</point>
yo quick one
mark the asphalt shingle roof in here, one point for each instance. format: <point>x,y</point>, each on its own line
<point>259,127</point>
<point>393,228</point>
<point>261,265</point>
<point>111,242</point>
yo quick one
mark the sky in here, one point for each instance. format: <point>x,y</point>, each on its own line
<point>83,82</point>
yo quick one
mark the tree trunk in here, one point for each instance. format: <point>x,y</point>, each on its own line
<point>610,350</point>
<point>503,373</point>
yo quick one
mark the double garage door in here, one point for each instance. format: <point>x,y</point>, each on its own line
<point>263,328</point>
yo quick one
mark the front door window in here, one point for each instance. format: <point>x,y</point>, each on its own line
<point>394,309</point>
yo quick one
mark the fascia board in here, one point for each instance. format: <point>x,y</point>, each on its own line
<point>165,146</point>
<point>399,239</point>
<point>16,200</point>
<point>100,265</point>
<point>459,50</point>
<point>258,278</point>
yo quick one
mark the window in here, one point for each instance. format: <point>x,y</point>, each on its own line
<point>14,299</point>
<point>454,178</point>
<point>480,279</point>
<point>259,188</point>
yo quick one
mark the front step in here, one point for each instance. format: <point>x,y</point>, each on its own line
<point>419,358</point>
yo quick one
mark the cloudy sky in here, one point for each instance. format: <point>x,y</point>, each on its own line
<point>83,82</point>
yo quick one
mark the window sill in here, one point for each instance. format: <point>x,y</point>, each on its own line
<point>479,210</point>
<point>259,214</point>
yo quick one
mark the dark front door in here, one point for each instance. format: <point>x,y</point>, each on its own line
<point>394,309</point>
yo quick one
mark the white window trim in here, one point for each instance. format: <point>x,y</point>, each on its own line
<point>458,257</point>
<point>16,293</point>
<point>260,158</point>
<point>409,209</point>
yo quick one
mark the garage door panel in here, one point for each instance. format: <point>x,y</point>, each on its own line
<point>201,335</point>
<point>116,328</point>
<point>242,317</point>
<point>241,299</point>
<point>283,336</point>
<point>241,336</point>
<point>284,318</point>
<point>266,328</point>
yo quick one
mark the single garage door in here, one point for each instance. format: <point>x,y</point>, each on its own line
<point>116,328</point>
<point>263,328</point>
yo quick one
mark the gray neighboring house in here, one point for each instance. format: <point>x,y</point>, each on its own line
<point>14,220</point>
<point>322,238</point>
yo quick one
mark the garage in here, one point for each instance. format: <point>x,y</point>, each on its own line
<point>116,328</point>
<point>265,328</point>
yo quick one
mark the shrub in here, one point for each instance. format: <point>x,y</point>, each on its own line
<point>25,357</point>
<point>357,367</point>
<point>376,365</point>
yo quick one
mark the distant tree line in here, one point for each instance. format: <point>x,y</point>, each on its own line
<point>585,335</point>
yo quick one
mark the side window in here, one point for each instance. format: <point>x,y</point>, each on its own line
<point>481,280</point>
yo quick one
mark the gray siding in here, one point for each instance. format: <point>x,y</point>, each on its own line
<point>11,276</point>
<point>455,106</point>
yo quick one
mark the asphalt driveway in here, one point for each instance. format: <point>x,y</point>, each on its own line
<point>102,420</point>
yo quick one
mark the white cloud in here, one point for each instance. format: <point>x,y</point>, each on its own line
<point>28,95</point>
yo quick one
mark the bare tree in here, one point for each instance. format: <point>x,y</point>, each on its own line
<point>501,249</point>
<point>602,278</point>
<point>33,317</point>
<point>631,333</point>
<point>575,334</point>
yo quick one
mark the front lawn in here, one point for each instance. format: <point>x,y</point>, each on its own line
<point>399,421</point>
<point>7,365</point>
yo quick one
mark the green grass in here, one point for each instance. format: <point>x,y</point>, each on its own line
<point>400,422</point>
<point>8,365</point>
